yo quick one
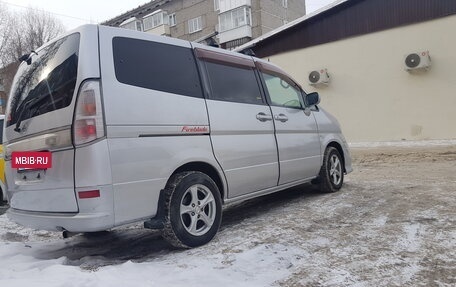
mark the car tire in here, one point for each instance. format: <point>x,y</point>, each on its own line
<point>1,197</point>
<point>331,175</point>
<point>193,209</point>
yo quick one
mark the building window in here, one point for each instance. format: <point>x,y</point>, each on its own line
<point>195,25</point>
<point>285,3</point>
<point>172,20</point>
<point>216,5</point>
<point>155,19</point>
<point>234,18</point>
<point>139,26</point>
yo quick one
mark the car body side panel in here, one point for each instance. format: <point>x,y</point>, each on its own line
<point>244,146</point>
<point>298,144</point>
<point>329,131</point>
<point>150,133</point>
<point>141,168</point>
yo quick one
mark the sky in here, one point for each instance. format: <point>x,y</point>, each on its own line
<point>78,12</point>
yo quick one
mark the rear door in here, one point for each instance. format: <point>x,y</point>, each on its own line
<point>39,118</point>
<point>242,130</point>
<point>295,127</point>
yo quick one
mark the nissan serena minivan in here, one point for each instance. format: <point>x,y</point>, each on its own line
<point>155,129</point>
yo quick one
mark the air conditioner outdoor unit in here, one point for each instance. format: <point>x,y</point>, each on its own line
<point>319,77</point>
<point>417,61</point>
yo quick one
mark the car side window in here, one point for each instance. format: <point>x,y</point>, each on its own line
<point>156,66</point>
<point>233,84</point>
<point>282,92</point>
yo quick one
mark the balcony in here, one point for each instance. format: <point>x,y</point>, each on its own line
<point>226,5</point>
<point>159,30</point>
<point>235,24</point>
<point>132,24</point>
<point>235,33</point>
<point>157,23</point>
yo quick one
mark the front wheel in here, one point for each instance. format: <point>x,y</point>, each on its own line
<point>193,209</point>
<point>331,175</point>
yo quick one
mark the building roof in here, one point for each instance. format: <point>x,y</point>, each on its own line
<point>347,18</point>
<point>139,11</point>
<point>289,25</point>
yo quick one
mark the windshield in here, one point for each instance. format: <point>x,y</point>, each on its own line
<point>47,83</point>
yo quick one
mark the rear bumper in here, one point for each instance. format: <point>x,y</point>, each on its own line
<point>73,222</point>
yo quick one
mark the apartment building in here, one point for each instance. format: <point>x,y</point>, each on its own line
<point>227,23</point>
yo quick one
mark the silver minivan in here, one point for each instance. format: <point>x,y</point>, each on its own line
<point>155,129</point>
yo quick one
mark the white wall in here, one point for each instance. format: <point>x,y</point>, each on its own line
<point>370,92</point>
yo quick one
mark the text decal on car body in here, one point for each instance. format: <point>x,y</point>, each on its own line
<point>31,159</point>
<point>194,129</point>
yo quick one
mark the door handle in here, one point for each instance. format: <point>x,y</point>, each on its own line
<point>262,117</point>
<point>281,117</point>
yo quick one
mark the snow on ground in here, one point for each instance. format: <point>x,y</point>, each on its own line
<point>393,224</point>
<point>133,257</point>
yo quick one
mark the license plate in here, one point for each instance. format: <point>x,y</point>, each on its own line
<point>30,175</point>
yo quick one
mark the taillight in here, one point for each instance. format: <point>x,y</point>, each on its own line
<point>88,122</point>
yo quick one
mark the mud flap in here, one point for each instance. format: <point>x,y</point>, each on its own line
<point>158,221</point>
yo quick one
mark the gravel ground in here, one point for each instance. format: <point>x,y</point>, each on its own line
<point>393,224</point>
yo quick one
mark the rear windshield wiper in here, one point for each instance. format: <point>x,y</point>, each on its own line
<point>27,57</point>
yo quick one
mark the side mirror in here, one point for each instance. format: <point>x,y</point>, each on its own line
<point>313,99</point>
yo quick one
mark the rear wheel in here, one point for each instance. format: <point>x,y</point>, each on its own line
<point>331,175</point>
<point>193,209</point>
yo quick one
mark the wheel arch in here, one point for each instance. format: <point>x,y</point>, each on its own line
<point>207,169</point>
<point>339,148</point>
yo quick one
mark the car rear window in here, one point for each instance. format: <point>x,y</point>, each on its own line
<point>46,81</point>
<point>156,66</point>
